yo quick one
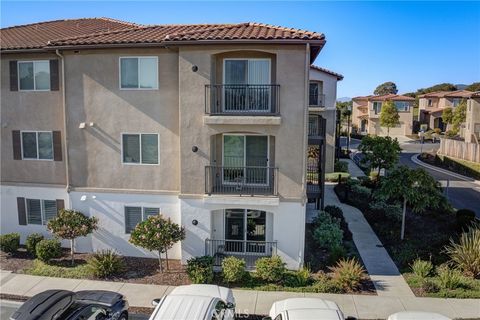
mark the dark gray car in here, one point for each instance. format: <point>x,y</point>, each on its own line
<point>68,305</point>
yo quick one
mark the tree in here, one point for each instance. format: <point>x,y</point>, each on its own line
<point>447,116</point>
<point>389,116</point>
<point>157,234</point>
<point>437,87</point>
<point>473,87</point>
<point>71,224</point>
<point>386,88</point>
<point>380,152</point>
<point>459,115</point>
<point>342,106</point>
<point>415,188</point>
<point>348,114</point>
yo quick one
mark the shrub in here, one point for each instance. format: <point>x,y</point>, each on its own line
<point>32,241</point>
<point>465,218</point>
<point>449,278</point>
<point>429,286</point>
<point>348,273</point>
<point>328,233</point>
<point>325,284</point>
<point>336,253</point>
<point>422,268</point>
<point>105,264</point>
<point>340,166</point>
<point>233,269</point>
<point>465,254</point>
<point>381,209</point>
<point>200,269</point>
<point>270,269</point>
<point>299,278</point>
<point>334,211</point>
<point>48,249</point>
<point>9,242</point>
<point>367,182</point>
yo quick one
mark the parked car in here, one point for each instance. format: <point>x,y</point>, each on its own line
<point>69,305</point>
<point>417,315</point>
<point>195,302</point>
<point>305,309</point>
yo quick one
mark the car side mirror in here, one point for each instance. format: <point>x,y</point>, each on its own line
<point>155,302</point>
<point>267,318</point>
<point>230,305</point>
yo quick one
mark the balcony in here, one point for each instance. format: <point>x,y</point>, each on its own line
<point>248,250</point>
<point>242,99</point>
<point>248,180</point>
<point>317,100</point>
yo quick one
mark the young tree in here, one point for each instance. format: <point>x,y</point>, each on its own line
<point>386,88</point>
<point>415,188</point>
<point>157,234</point>
<point>71,224</point>
<point>389,116</point>
<point>459,115</point>
<point>380,152</point>
<point>447,116</point>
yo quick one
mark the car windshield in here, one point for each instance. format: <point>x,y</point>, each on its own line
<point>78,311</point>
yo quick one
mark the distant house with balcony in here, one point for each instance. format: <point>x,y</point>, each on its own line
<point>431,106</point>
<point>366,114</point>
<point>208,125</point>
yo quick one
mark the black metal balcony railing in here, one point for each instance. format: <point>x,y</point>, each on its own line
<point>316,126</point>
<point>317,100</point>
<point>313,176</point>
<point>248,250</point>
<point>242,99</point>
<point>249,180</point>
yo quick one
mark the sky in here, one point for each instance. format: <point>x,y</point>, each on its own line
<point>414,44</point>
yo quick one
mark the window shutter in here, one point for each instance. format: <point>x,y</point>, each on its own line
<point>54,76</point>
<point>17,145</point>
<point>22,216</point>
<point>133,215</point>
<point>150,212</point>
<point>34,211</point>
<point>57,146</point>
<point>13,76</point>
<point>60,204</point>
<point>49,210</point>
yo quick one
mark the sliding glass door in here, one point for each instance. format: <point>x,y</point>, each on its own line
<point>246,230</point>
<point>246,85</point>
<point>245,159</point>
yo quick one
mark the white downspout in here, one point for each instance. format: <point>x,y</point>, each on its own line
<point>65,132</point>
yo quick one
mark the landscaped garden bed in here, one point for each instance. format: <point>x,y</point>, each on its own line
<point>463,167</point>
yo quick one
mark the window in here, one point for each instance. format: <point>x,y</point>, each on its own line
<point>37,145</point>
<point>456,102</point>
<point>139,73</point>
<point>34,75</point>
<point>402,105</point>
<point>140,148</point>
<point>377,107</point>
<point>315,96</point>
<point>429,102</point>
<point>135,215</point>
<point>40,211</point>
<point>245,225</point>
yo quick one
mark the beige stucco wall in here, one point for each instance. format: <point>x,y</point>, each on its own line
<point>291,62</point>
<point>357,112</point>
<point>93,95</point>
<point>472,119</point>
<point>29,110</point>
<point>405,127</point>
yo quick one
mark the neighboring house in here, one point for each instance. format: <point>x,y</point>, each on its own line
<point>431,106</point>
<point>206,124</point>
<point>472,123</point>
<point>366,114</point>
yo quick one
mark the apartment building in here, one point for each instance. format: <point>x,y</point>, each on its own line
<point>431,106</point>
<point>471,131</point>
<point>366,114</point>
<point>205,124</point>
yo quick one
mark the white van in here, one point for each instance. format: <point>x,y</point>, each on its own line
<point>195,302</point>
<point>305,309</point>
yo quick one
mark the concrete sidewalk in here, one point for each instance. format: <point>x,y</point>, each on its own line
<point>249,301</point>
<point>382,270</point>
<point>353,169</point>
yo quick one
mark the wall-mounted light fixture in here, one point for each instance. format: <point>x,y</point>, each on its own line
<point>194,68</point>
<point>194,148</point>
<point>194,222</point>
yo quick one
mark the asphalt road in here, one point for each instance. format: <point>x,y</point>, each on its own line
<point>461,193</point>
<point>7,308</point>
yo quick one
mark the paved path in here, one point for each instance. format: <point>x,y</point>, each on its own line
<point>250,301</point>
<point>353,169</point>
<point>382,270</point>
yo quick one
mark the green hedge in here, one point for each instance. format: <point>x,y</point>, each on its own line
<point>466,168</point>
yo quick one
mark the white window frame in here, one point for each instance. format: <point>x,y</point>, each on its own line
<point>42,211</point>
<point>406,106</point>
<point>138,64</point>
<point>34,81</point>
<point>140,137</point>
<point>142,208</point>
<point>36,136</point>
<point>245,157</point>
<point>317,83</point>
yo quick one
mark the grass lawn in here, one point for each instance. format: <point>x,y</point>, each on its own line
<point>333,176</point>
<point>39,268</point>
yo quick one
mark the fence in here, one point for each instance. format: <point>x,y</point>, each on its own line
<point>459,149</point>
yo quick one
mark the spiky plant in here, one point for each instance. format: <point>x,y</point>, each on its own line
<point>465,255</point>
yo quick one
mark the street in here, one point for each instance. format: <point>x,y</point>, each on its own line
<point>7,308</point>
<point>461,193</point>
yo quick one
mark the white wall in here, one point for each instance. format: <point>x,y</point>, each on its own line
<point>329,86</point>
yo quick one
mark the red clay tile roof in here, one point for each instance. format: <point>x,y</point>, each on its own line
<point>37,35</point>
<point>448,94</point>
<point>338,75</point>
<point>393,97</point>
<point>112,32</point>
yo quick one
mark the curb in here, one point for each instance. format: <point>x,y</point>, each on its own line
<point>415,160</point>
